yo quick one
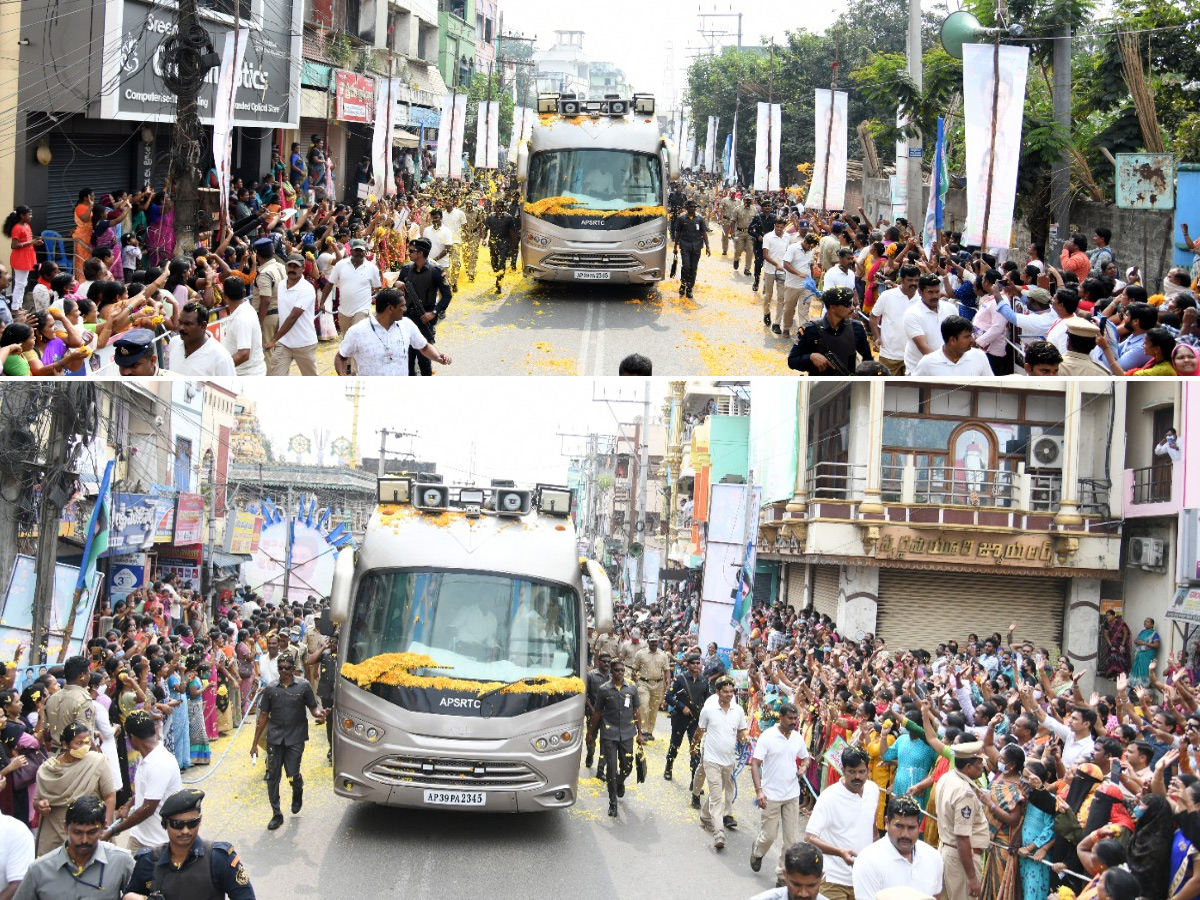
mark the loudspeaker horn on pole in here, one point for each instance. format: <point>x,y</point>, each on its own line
<point>962,28</point>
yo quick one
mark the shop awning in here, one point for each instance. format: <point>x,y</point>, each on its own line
<point>223,560</point>
<point>402,138</point>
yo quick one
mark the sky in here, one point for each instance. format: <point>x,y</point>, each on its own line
<point>514,423</point>
<point>633,34</point>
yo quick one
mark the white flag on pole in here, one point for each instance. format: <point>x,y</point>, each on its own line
<point>518,126</point>
<point>450,136</point>
<point>766,153</point>
<point>487,135</point>
<point>681,140</point>
<point>710,145</point>
<point>227,81</point>
<point>460,131</point>
<point>827,190</point>
<point>382,139</point>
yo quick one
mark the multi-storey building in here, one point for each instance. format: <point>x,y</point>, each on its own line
<point>564,67</point>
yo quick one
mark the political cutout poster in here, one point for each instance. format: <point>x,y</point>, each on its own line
<point>683,140</point>
<point>522,129</point>
<point>487,135</point>
<point>766,153</point>
<point>231,67</point>
<point>448,163</point>
<point>710,144</point>
<point>827,190</point>
<point>381,138</point>
<point>993,145</point>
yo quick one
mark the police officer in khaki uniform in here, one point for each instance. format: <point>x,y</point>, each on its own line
<point>743,246</point>
<point>629,649</point>
<point>472,235</point>
<point>962,826</point>
<point>651,669</point>
<point>72,704</point>
<point>606,643</point>
<point>727,208</point>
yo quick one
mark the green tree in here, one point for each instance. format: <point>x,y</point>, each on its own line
<point>487,87</point>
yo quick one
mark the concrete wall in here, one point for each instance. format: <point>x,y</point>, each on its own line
<point>876,194</point>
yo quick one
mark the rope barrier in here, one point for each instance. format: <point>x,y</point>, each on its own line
<point>245,718</point>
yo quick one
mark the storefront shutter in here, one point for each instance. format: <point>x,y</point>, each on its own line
<point>825,590</point>
<point>103,162</point>
<point>795,585</point>
<point>923,609</point>
<point>764,582</point>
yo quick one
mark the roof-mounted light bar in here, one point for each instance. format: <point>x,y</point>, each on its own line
<point>553,500</point>
<point>395,490</point>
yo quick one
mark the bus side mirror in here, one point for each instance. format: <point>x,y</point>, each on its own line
<point>672,159</point>
<point>602,594</point>
<point>339,596</point>
<point>522,161</point>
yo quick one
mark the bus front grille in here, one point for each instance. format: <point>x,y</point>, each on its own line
<point>463,774</point>
<point>611,262</point>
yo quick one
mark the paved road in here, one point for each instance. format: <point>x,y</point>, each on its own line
<point>569,329</point>
<point>339,849</point>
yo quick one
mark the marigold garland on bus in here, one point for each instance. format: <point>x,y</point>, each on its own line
<point>395,669</point>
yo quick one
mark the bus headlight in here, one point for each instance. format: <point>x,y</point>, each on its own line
<point>538,240</point>
<point>651,243</point>
<point>559,739</point>
<point>360,729</point>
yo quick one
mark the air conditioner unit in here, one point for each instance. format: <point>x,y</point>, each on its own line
<point>1146,553</point>
<point>1045,452</point>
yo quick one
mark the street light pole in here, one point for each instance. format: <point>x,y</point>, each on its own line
<point>1060,172</point>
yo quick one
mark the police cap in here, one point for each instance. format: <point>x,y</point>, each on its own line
<point>187,800</point>
<point>133,345</point>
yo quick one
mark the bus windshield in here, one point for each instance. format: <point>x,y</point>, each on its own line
<point>598,179</point>
<point>483,627</point>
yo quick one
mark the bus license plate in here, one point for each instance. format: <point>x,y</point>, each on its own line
<point>455,798</point>
<point>592,276</point>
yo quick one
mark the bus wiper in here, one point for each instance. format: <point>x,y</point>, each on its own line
<point>532,679</point>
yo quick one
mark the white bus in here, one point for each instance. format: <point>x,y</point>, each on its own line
<point>463,641</point>
<point>595,175</point>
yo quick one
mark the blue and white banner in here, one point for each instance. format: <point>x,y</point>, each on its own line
<point>134,518</point>
<point>939,183</point>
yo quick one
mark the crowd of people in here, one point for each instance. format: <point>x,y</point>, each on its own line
<point>978,770</point>
<point>863,296</point>
<point>93,751</point>
<point>293,268</point>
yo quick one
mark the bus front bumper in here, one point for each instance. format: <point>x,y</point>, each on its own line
<point>596,267</point>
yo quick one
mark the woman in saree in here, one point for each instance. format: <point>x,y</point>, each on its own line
<point>198,735</point>
<point>83,230</point>
<point>160,235</point>
<point>176,736</point>
<point>1147,643</point>
<point>77,770</point>
<point>1037,832</point>
<point>1117,643</point>
<point>875,743</point>
<point>208,674</point>
<point>1004,806</point>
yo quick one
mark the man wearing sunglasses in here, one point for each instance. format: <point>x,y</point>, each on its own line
<point>188,866</point>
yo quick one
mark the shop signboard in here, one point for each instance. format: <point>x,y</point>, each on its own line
<point>164,514</point>
<point>125,575</point>
<point>182,562</point>
<point>243,530</point>
<point>1186,605</point>
<point>189,520</point>
<point>268,89</point>
<point>133,523</point>
<point>353,96</point>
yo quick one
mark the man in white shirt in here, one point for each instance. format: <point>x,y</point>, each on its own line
<point>797,264</point>
<point>194,351</point>
<point>16,853</point>
<point>841,275</point>
<point>899,858</point>
<point>455,220</point>
<point>356,280</point>
<point>923,321</point>
<point>441,240</point>
<point>174,601</point>
<point>379,345</point>
<point>1075,733</point>
<point>241,332</point>
<point>296,338</point>
<point>777,785</point>
<point>1169,446</point>
<point>722,726</point>
<point>775,246</point>
<point>887,319</point>
<point>157,779</point>
<point>842,823</point>
<point>956,357</point>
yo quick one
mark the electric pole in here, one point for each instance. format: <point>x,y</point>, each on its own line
<point>383,436</point>
<point>643,454</point>
<point>56,490</point>
<point>1060,172</point>
<point>915,194</point>
<point>20,406</point>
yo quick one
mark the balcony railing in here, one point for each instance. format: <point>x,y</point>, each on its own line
<point>1152,484</point>
<point>837,481</point>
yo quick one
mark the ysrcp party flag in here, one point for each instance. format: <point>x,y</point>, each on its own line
<point>939,183</point>
<point>827,190</point>
<point>729,165</point>
<point>710,144</point>
<point>993,141</point>
<point>766,153</point>
<point>487,135</point>
<point>227,84</point>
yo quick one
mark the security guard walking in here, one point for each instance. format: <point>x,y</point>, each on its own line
<point>596,679</point>
<point>72,704</point>
<point>617,709</point>
<point>742,245</point>
<point>727,208</point>
<point>690,233</point>
<point>962,827</point>
<point>651,669</point>
<point>687,696</point>
<point>188,867</point>
<point>760,226</point>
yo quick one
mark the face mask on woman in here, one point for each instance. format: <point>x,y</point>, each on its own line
<point>80,752</point>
